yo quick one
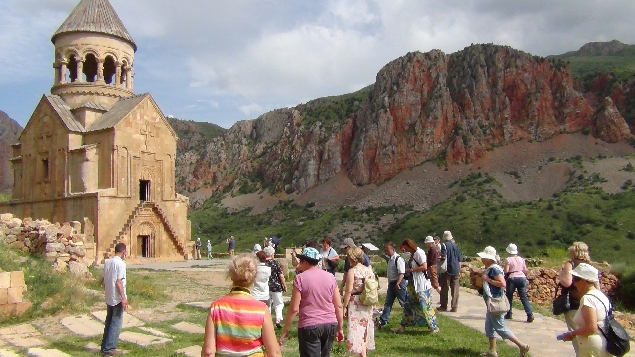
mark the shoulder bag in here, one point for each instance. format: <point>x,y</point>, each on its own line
<point>561,303</point>
<point>442,265</point>
<point>495,306</point>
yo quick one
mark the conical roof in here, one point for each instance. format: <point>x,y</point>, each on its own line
<point>95,16</point>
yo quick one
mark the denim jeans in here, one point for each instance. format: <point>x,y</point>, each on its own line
<point>317,340</point>
<point>519,284</point>
<point>391,293</point>
<point>114,321</point>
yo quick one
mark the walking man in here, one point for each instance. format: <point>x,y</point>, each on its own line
<point>449,280</point>
<point>114,283</point>
<point>231,243</point>
<point>197,249</point>
<point>396,268</point>
<point>209,249</point>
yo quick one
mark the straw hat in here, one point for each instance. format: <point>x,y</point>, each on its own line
<point>447,235</point>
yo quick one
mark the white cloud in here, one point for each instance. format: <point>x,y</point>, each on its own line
<point>251,109</point>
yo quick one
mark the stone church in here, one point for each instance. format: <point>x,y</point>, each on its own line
<point>93,151</point>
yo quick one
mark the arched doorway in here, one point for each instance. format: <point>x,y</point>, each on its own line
<point>146,238</point>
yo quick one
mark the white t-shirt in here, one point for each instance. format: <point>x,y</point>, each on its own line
<point>260,290</point>
<point>594,300</point>
<point>330,253</point>
<point>114,269</point>
<point>418,277</point>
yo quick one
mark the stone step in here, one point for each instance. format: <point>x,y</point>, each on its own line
<point>23,336</point>
<point>128,320</point>
<point>83,325</point>
<point>40,352</point>
<point>155,332</point>
<point>142,339</point>
<point>192,351</point>
<point>189,327</point>
<point>9,353</point>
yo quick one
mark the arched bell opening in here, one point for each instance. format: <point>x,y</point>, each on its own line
<point>71,73</point>
<point>90,68</point>
<point>110,70</point>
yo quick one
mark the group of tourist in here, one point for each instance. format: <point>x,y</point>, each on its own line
<point>240,323</point>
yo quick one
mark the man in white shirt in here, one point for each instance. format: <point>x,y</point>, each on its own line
<point>396,268</point>
<point>114,283</point>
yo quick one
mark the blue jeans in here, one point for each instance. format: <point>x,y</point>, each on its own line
<point>519,284</point>
<point>391,293</point>
<point>114,321</point>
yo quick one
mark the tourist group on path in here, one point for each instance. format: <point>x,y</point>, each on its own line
<point>240,323</point>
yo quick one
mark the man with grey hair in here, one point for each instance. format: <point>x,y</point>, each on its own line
<point>449,280</point>
<point>277,284</point>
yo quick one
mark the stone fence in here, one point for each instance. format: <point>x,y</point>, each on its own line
<point>62,244</point>
<point>542,282</point>
<point>12,287</point>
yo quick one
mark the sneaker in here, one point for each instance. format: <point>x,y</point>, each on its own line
<point>112,353</point>
<point>378,323</point>
<point>530,318</point>
<point>399,329</point>
<point>436,330</point>
<point>523,350</point>
<point>278,325</point>
<point>489,354</point>
<point>508,316</point>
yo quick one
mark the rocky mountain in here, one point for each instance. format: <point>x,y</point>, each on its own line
<point>9,132</point>
<point>446,108</point>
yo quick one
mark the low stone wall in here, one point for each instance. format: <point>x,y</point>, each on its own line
<point>12,288</point>
<point>62,244</point>
<point>542,282</point>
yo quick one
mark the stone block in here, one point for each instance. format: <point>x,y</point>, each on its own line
<point>83,325</point>
<point>7,310</point>
<point>8,353</point>
<point>189,327</point>
<point>41,352</point>
<point>5,280</point>
<point>192,351</point>
<point>77,226</point>
<point>4,296</point>
<point>6,217</point>
<point>17,279</point>
<point>17,245</point>
<point>142,339</point>
<point>128,320</point>
<point>21,308</point>
<point>14,295</point>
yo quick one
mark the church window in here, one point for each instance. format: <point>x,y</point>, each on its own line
<point>144,190</point>
<point>45,169</point>
<point>71,73</point>
<point>109,70</point>
<point>90,68</point>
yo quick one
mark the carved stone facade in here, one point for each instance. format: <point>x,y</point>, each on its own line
<point>96,153</point>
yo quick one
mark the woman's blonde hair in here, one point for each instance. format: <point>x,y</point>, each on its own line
<point>580,251</point>
<point>243,270</point>
<point>356,254</point>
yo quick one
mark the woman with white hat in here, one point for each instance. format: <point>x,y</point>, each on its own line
<point>494,281</point>
<point>515,272</point>
<point>594,307</point>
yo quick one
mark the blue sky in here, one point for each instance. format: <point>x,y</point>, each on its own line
<point>224,61</point>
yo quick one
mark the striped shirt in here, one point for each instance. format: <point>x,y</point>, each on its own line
<point>238,326</point>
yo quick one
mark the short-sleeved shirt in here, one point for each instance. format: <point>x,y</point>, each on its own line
<point>326,265</point>
<point>316,288</point>
<point>238,324</point>
<point>596,300</point>
<point>515,266</point>
<point>231,244</point>
<point>421,283</point>
<point>396,266</point>
<point>493,271</point>
<point>260,290</point>
<point>275,284</point>
<point>114,269</point>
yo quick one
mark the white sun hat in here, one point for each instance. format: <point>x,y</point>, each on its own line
<point>429,239</point>
<point>488,253</point>
<point>586,272</point>
<point>512,248</point>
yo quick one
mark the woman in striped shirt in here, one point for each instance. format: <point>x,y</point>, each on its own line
<point>238,324</point>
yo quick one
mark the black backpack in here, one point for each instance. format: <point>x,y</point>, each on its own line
<point>617,340</point>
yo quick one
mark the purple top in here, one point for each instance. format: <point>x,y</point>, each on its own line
<point>316,288</point>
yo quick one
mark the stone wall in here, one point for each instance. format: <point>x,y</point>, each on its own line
<point>542,282</point>
<point>12,287</point>
<point>62,244</point>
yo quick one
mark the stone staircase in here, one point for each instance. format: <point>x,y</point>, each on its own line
<point>126,227</point>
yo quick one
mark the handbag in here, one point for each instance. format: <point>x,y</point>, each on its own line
<point>442,265</point>
<point>498,306</point>
<point>617,340</point>
<point>561,303</point>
